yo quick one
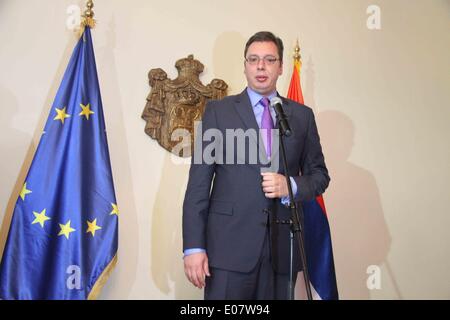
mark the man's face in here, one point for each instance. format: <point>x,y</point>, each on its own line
<point>262,76</point>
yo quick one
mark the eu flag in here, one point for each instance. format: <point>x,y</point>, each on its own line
<point>62,242</point>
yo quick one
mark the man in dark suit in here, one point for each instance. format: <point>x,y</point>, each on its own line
<point>232,246</point>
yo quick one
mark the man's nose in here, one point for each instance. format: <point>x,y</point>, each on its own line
<point>261,64</point>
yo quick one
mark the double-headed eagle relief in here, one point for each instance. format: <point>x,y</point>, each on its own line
<point>174,105</point>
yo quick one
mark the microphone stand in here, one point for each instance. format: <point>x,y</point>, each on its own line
<point>296,228</point>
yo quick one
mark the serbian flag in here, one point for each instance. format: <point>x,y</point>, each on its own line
<point>318,248</point>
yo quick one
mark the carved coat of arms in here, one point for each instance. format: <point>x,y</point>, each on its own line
<point>174,105</point>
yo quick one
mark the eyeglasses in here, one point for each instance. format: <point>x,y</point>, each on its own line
<point>254,60</point>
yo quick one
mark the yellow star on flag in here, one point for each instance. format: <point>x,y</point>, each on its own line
<point>61,114</point>
<point>92,227</point>
<point>115,209</point>
<point>65,229</point>
<point>40,218</point>
<point>86,110</point>
<point>24,191</point>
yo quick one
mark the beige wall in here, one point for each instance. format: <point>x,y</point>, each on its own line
<point>382,100</point>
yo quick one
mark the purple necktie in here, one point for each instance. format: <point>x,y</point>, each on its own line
<point>267,123</point>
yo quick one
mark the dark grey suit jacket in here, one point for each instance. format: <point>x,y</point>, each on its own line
<point>231,219</point>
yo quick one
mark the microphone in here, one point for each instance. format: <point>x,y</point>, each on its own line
<point>277,104</point>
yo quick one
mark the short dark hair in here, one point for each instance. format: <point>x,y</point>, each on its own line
<point>265,36</point>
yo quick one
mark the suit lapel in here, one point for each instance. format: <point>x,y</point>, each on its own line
<point>244,108</point>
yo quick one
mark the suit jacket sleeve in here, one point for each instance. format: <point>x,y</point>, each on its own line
<point>196,201</point>
<point>314,178</point>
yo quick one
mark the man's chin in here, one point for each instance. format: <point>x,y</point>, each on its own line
<point>262,89</point>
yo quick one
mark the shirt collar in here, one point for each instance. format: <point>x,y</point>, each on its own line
<point>255,97</point>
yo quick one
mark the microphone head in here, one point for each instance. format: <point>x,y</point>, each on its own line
<point>275,100</point>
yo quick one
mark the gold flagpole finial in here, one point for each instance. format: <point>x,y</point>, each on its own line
<point>297,56</point>
<point>87,19</point>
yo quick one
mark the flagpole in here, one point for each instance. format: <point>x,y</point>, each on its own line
<point>87,18</point>
<point>297,56</point>
<point>295,91</point>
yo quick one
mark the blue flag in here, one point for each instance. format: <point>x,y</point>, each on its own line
<point>62,242</point>
<point>319,251</point>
